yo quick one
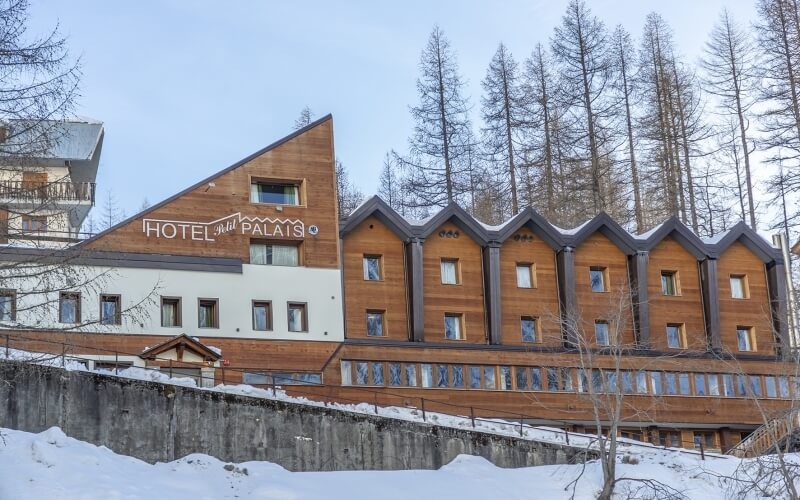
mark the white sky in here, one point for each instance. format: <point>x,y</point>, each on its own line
<point>186,88</point>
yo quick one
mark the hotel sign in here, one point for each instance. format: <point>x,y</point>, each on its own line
<point>263,227</point>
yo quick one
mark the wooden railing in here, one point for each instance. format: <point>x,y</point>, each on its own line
<point>43,192</point>
<point>768,436</point>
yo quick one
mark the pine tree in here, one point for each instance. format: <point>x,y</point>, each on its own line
<point>348,196</point>
<point>305,118</point>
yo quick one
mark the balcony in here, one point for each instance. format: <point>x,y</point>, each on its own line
<point>41,193</point>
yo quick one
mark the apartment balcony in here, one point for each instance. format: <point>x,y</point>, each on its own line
<point>37,193</point>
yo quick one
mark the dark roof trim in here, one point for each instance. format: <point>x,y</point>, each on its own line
<point>531,219</point>
<point>750,239</point>
<point>378,208</point>
<point>460,218</point>
<point>205,181</point>
<point>182,339</point>
<point>603,223</point>
<point>680,233</point>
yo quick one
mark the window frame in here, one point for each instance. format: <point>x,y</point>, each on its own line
<point>297,245</point>
<point>12,293</point>
<point>605,278</point>
<point>118,311</point>
<point>178,311</point>
<point>377,257</point>
<point>531,272</point>
<point>457,270</point>
<point>214,302</point>
<point>681,327</point>
<point>459,317</point>
<point>299,185</point>
<point>303,317</point>
<point>745,285</point>
<point>536,337</point>
<point>382,314</point>
<point>26,219</point>
<point>61,297</point>
<point>268,305</point>
<point>750,336</point>
<point>608,331</point>
<point>674,277</point>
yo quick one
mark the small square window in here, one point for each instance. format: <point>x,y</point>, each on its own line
<point>8,305</point>
<point>373,270</point>
<point>525,276</point>
<point>170,311</point>
<point>275,193</point>
<point>676,339</point>
<point>375,324</point>
<point>739,286</point>
<point>669,283</point>
<point>450,272</point>
<point>69,310</point>
<point>744,338</point>
<point>601,332</point>
<point>262,315</point>
<point>528,327</point>
<point>208,313</point>
<point>298,317</point>
<point>110,313</point>
<point>598,277</point>
<point>453,326</point>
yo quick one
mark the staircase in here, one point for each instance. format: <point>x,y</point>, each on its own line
<point>774,433</point>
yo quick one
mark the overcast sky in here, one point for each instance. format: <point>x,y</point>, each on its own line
<point>186,88</point>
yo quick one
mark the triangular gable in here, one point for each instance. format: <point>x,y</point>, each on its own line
<point>681,234</point>
<point>181,343</point>
<point>750,239</point>
<point>531,219</point>
<point>204,182</point>
<point>604,224</point>
<point>458,216</point>
<point>376,207</point>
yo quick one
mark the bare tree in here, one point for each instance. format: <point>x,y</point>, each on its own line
<point>730,75</point>
<point>348,196</point>
<point>305,118</point>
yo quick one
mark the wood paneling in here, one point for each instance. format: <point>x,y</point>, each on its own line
<point>599,251</point>
<point>753,311</point>
<point>307,157</point>
<point>540,301</point>
<point>686,307</point>
<point>372,237</point>
<point>465,298</point>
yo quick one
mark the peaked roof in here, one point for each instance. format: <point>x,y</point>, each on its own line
<point>205,181</point>
<point>533,220</point>
<point>680,233</point>
<point>749,238</point>
<point>604,224</point>
<point>184,341</point>
<point>375,206</point>
<point>458,216</point>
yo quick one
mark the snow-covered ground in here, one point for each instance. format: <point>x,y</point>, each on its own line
<point>51,465</point>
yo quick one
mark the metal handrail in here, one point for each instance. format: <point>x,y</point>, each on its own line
<point>48,191</point>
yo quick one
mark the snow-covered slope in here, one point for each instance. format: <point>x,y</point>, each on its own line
<point>51,465</point>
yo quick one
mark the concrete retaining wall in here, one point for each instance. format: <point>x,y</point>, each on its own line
<point>160,422</point>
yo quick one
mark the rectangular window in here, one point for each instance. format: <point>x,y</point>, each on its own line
<point>670,383</point>
<point>170,311</point>
<point>755,385</point>
<point>490,377</point>
<point>536,379</point>
<point>474,377</point>
<point>208,313</point>
<point>552,379</point>
<point>566,379</point>
<point>505,378</point>
<point>641,382</point>
<point>528,328</point>
<point>525,276</point>
<point>739,286</point>
<point>744,338</point>
<point>598,277</point>
<point>655,383</point>
<point>611,381</point>
<point>297,316</point>
<point>699,384</point>
<point>450,272</point>
<point>8,305</point>
<point>362,373</point>
<point>669,283</point>
<point>713,384</point>
<point>69,307</point>
<point>427,375</point>
<point>683,384</point>
<point>453,326</point>
<point>727,385</point>
<point>741,385</point>
<point>410,374</point>
<point>675,336</point>
<point>442,376</point>
<point>275,193</point>
<point>347,374</point>
<point>375,325</point>
<point>771,388</point>
<point>627,382</point>
<point>583,381</point>
<point>34,224</point>
<point>394,374</point>
<point>377,374</point>
<point>601,332</point>
<point>262,315</point>
<point>783,386</point>
<point>274,255</point>
<point>110,313</point>
<point>597,381</point>
<point>522,378</point>
<point>373,270</point>
<point>458,376</point>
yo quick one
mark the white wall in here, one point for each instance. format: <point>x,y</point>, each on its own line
<point>320,288</point>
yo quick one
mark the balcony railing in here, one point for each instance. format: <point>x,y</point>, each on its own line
<point>39,192</point>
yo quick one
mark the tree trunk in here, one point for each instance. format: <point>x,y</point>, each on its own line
<point>509,144</point>
<point>587,99</point>
<point>637,196</point>
<point>448,173</point>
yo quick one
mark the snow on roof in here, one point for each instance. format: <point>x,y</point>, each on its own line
<point>647,234</point>
<point>74,139</point>
<point>571,232</point>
